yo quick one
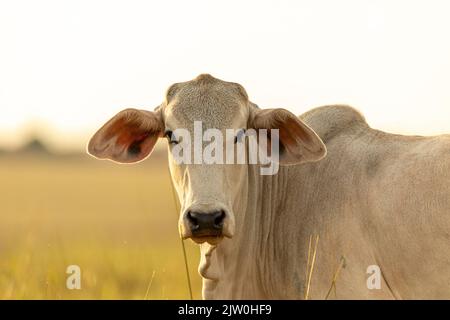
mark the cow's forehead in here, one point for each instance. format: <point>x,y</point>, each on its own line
<point>216,103</point>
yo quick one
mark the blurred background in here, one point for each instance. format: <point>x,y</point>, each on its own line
<point>66,67</point>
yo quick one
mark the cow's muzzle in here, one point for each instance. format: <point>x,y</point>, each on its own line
<point>206,226</point>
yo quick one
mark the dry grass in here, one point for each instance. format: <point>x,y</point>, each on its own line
<point>311,260</point>
<point>116,222</point>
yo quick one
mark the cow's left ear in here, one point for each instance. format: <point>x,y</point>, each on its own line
<point>298,142</point>
<point>128,137</point>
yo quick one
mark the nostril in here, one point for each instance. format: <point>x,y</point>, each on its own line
<point>202,223</point>
<point>193,221</point>
<point>218,219</point>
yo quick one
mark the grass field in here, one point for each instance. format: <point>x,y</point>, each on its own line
<point>116,222</point>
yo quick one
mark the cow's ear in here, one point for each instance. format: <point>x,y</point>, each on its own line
<point>298,142</point>
<point>128,137</point>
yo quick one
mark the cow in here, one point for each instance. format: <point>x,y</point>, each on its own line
<point>352,213</point>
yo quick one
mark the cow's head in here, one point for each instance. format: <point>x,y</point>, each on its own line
<point>207,191</point>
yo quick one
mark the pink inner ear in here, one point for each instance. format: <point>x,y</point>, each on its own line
<point>127,132</point>
<point>298,143</point>
<point>132,139</point>
<point>128,137</point>
<point>142,137</point>
<point>293,136</point>
<point>294,132</point>
<point>139,145</point>
<point>138,140</point>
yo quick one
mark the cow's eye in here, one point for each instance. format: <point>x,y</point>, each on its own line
<point>171,137</point>
<point>239,136</point>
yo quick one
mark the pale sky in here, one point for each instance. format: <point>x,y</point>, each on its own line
<point>68,66</point>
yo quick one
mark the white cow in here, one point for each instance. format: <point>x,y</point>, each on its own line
<point>377,201</point>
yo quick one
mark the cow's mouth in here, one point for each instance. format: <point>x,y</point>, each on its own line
<point>211,239</point>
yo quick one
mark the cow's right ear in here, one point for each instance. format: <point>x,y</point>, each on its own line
<point>298,142</point>
<point>128,137</point>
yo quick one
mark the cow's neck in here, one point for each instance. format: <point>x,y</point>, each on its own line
<point>250,264</point>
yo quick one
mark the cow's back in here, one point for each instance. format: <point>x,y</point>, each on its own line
<point>384,200</point>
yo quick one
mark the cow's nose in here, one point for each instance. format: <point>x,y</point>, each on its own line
<point>206,224</point>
